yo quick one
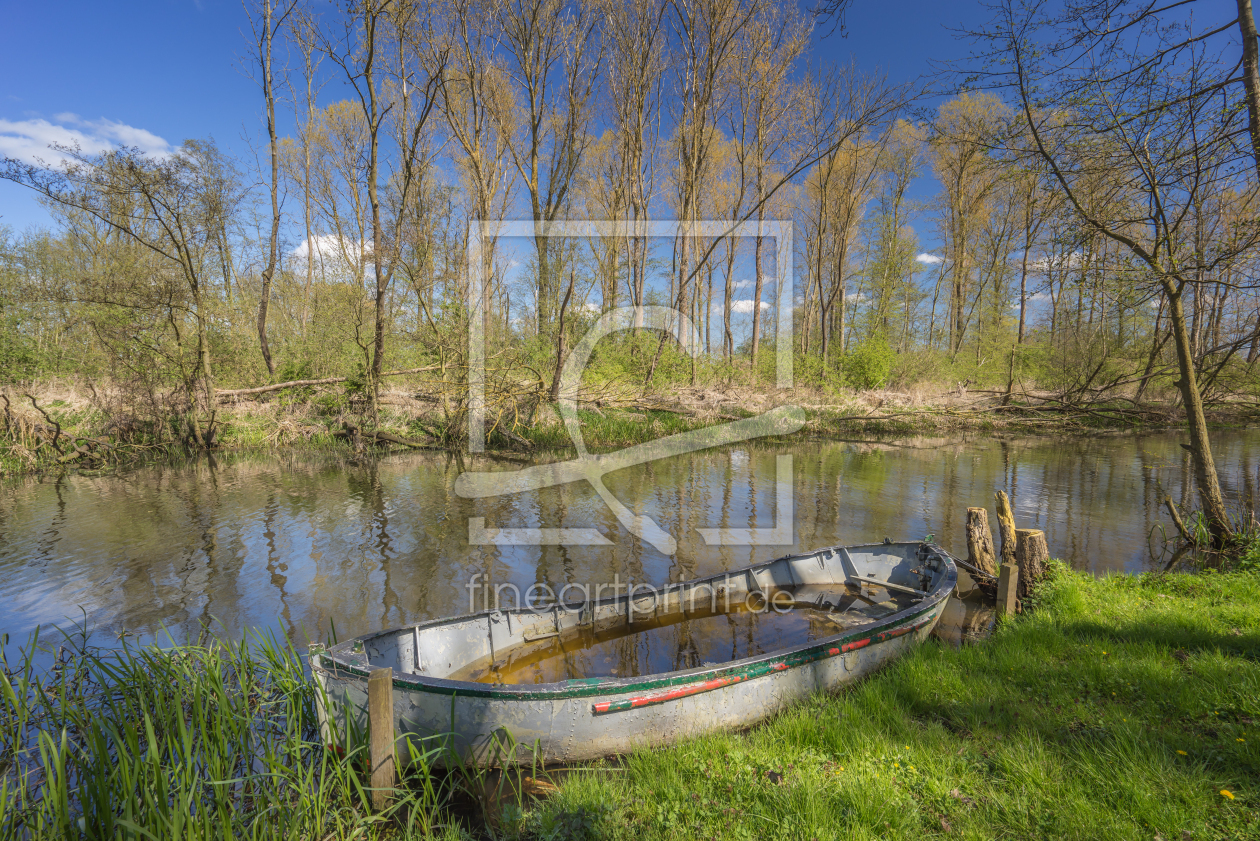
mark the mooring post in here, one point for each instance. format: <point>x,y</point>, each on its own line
<point>980,540</point>
<point>1008,584</point>
<point>381,734</point>
<point>1032,553</point>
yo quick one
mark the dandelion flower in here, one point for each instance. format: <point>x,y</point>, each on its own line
<point>1242,740</point>
<point>896,764</point>
<point>1183,753</point>
<point>1227,793</point>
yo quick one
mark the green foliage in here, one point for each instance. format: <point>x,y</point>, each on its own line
<point>809,370</point>
<point>869,364</point>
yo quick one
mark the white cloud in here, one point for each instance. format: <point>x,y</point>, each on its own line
<point>928,259</point>
<point>335,255</point>
<point>1058,262</point>
<point>742,284</point>
<point>29,140</point>
<point>746,307</point>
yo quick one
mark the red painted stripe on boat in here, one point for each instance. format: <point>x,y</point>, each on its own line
<point>757,671</point>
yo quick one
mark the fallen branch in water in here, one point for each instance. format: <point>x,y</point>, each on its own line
<point>1176,518</point>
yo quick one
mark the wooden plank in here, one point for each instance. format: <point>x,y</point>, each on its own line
<point>381,734</point>
<point>1008,584</point>
<point>887,585</point>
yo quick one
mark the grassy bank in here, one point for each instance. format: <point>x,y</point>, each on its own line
<point>1121,708</point>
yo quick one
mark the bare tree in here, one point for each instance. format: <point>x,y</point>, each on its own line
<point>554,62</point>
<point>174,207</point>
<point>266,21</point>
<point>1151,143</point>
<point>635,36</point>
<point>302,33</point>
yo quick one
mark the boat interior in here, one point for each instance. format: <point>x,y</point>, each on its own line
<point>846,587</point>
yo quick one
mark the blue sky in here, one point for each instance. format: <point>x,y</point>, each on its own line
<point>149,72</point>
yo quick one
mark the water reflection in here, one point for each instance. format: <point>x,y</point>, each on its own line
<point>968,616</point>
<point>295,543</point>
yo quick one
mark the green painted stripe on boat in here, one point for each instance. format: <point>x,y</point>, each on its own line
<point>589,687</point>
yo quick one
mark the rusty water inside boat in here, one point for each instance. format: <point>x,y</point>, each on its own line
<point>707,633</point>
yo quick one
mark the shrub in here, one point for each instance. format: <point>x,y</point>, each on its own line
<point>869,364</point>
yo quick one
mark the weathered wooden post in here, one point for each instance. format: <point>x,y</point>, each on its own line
<point>1006,525</point>
<point>980,541</point>
<point>1031,552</point>
<point>1008,585</point>
<point>381,735</point>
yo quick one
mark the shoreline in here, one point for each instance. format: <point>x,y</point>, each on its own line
<point>87,441</point>
<point>1116,707</point>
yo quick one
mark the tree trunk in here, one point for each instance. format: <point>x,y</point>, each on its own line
<point>1157,344</point>
<point>1200,447</point>
<point>1251,73</point>
<point>1023,304</point>
<point>980,541</point>
<point>756,304</point>
<point>264,297</point>
<point>207,378</point>
<point>1006,525</point>
<point>1032,554</point>
<point>561,350</point>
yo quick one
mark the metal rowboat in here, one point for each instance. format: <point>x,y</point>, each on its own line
<point>587,718</point>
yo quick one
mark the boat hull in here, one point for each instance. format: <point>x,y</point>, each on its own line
<point>590,718</point>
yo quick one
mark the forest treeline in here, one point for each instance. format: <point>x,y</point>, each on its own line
<point>1094,211</point>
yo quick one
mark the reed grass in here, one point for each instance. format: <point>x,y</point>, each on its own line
<point>208,741</point>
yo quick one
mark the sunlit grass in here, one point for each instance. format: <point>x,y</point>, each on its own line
<point>1122,708</point>
<point>190,742</point>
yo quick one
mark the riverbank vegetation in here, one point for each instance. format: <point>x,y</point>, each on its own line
<point>1116,708</point>
<point>1075,277</point>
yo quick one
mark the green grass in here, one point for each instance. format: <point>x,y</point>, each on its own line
<point>190,742</point>
<point>1119,709</point>
<point>613,428</point>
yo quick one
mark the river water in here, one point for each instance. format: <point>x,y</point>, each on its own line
<point>300,542</point>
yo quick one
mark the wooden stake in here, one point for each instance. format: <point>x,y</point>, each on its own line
<point>1007,595</point>
<point>1032,553</point>
<point>1006,525</point>
<point>980,541</point>
<point>381,734</point>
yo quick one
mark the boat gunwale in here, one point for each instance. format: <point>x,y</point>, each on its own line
<point>589,687</point>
